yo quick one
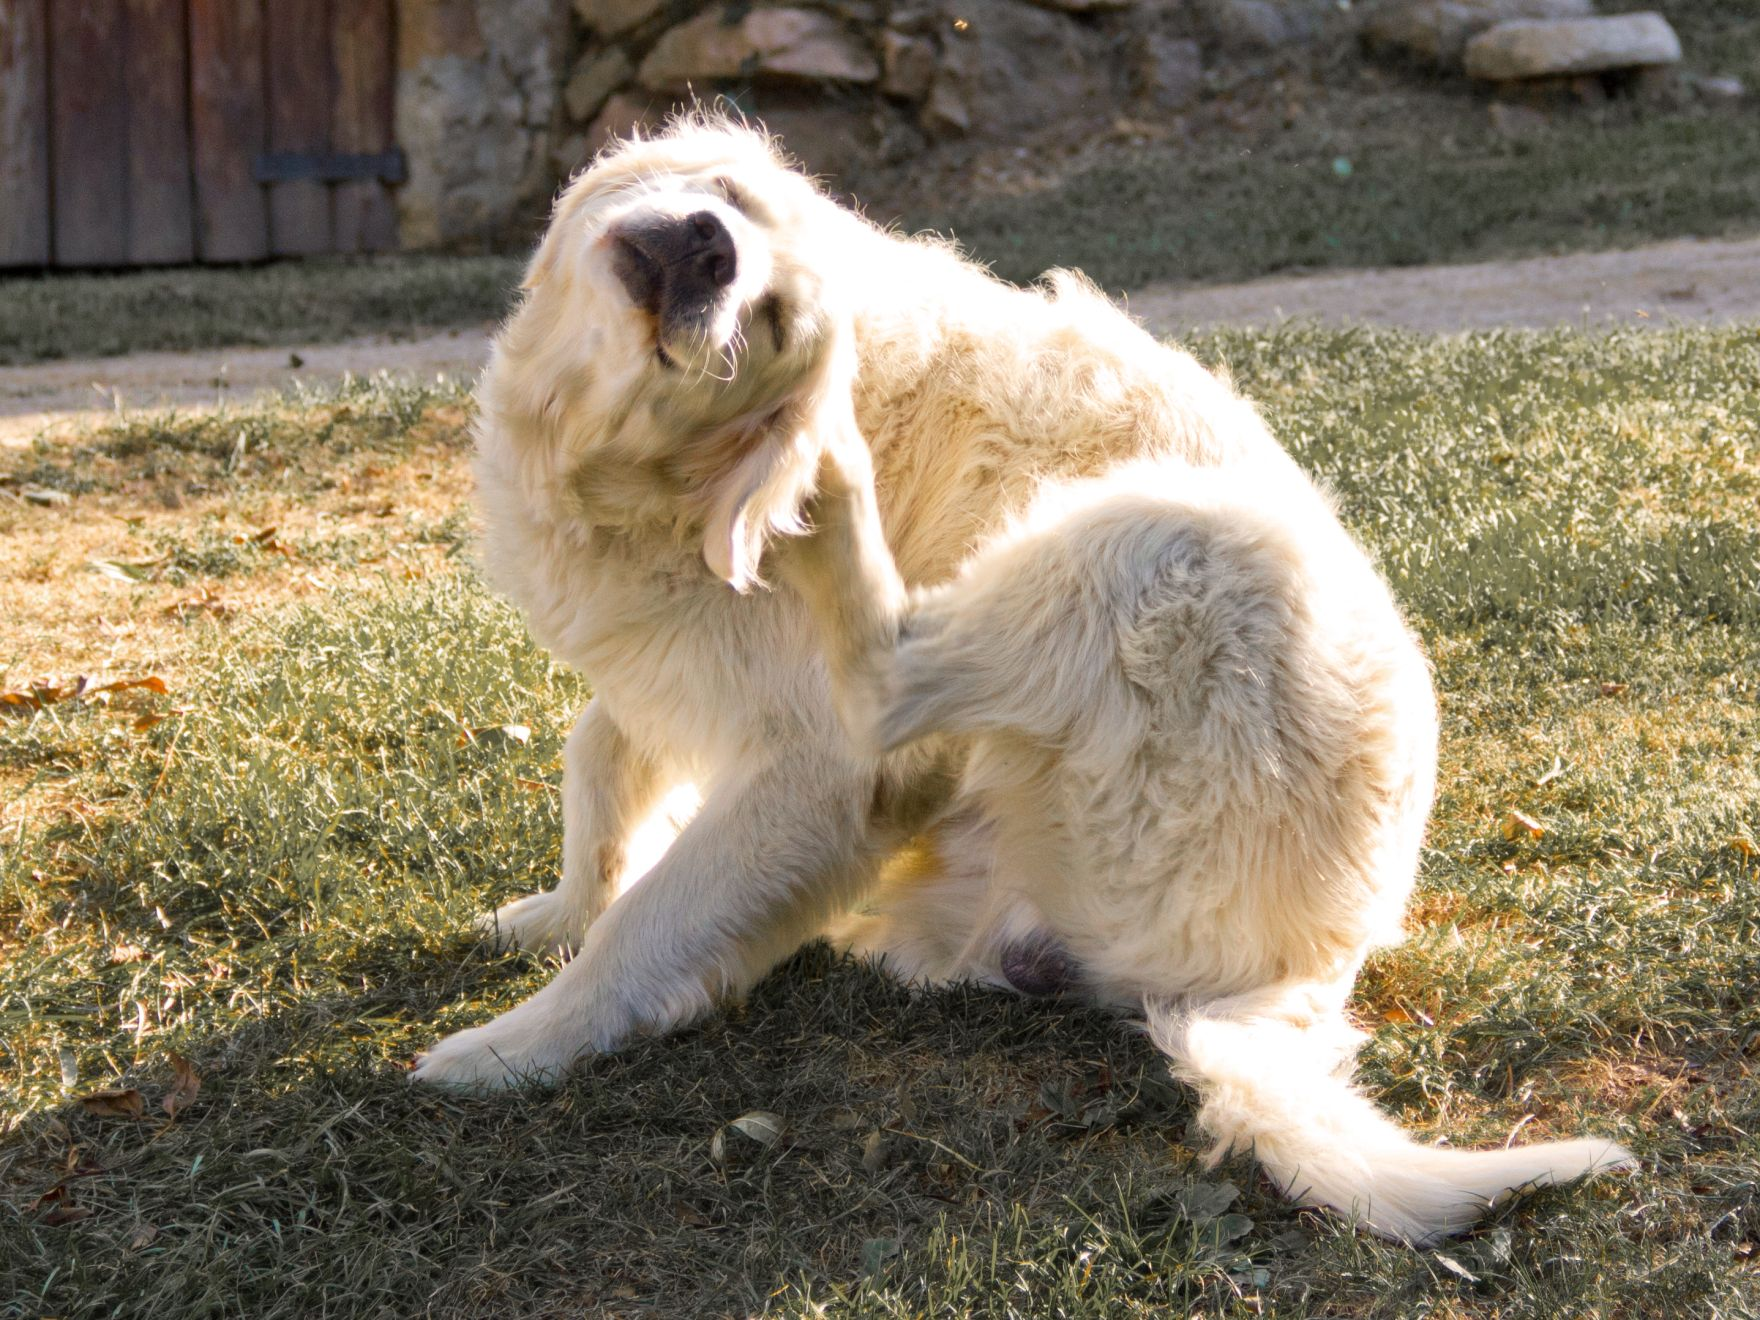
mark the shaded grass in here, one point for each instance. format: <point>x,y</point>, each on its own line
<point>278,884</point>
<point>1579,186</point>
<point>312,301</point>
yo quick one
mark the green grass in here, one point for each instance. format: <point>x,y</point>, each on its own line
<point>96,315</point>
<point>1617,182</point>
<point>278,884</point>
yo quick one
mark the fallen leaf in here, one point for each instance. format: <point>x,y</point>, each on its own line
<point>152,683</point>
<point>126,570</point>
<point>760,1125</point>
<point>1453,1266</point>
<point>876,1252</point>
<point>58,1202</point>
<point>185,1086</point>
<point>876,1153</point>
<point>143,1237</point>
<point>125,1103</point>
<point>1614,689</point>
<point>204,602</point>
<point>1517,825</point>
<point>151,718</point>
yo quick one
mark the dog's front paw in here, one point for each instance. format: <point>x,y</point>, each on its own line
<point>541,923</point>
<point>493,1057</point>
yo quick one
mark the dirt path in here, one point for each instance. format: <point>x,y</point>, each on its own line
<point>1693,281</point>
<point>1696,281</point>
<point>62,394</point>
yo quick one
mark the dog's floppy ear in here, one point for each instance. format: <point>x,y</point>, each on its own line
<point>774,463</point>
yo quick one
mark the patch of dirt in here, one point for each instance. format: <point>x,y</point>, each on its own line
<point>1684,281</point>
<point>60,397</point>
<point>1691,281</point>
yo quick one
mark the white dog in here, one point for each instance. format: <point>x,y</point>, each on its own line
<point>1124,710</point>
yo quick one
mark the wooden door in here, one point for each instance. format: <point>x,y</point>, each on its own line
<point>24,133</point>
<point>135,132</point>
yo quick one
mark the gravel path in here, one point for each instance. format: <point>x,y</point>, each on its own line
<point>1685,281</point>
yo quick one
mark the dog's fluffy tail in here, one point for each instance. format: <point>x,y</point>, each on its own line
<point>1279,1086</point>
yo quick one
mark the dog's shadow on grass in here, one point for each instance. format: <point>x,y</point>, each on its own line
<point>835,1133</point>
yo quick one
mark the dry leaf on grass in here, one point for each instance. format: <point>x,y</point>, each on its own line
<point>185,1087</point>
<point>125,1103</point>
<point>127,570</point>
<point>1614,689</point>
<point>44,693</point>
<point>151,718</point>
<point>58,1201</point>
<point>1520,825</point>
<point>203,602</point>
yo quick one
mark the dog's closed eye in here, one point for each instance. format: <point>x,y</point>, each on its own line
<point>734,195</point>
<point>771,310</point>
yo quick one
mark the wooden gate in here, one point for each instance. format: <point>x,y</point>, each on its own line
<point>137,132</point>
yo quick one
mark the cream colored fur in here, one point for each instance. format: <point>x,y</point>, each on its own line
<point>1072,653</point>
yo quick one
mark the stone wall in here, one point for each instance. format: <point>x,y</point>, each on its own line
<point>501,100</point>
<point>479,101</point>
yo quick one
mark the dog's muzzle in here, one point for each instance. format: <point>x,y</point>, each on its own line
<point>675,267</point>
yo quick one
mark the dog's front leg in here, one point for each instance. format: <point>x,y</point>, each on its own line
<point>755,873</point>
<point>608,787</point>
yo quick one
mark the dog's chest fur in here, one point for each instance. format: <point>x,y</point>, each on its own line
<point>690,667</point>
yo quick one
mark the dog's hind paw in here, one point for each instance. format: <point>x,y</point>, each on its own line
<point>541,923</point>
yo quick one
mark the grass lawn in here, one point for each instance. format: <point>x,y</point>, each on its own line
<point>263,879</point>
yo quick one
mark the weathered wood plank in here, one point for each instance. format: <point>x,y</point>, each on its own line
<point>88,132</point>
<point>161,215</point>
<point>299,119</point>
<point>24,133</point>
<point>364,55</point>
<point>227,118</point>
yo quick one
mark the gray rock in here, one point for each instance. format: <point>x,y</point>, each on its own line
<point>907,65</point>
<point>1437,31</point>
<point>1014,68</point>
<point>595,77</point>
<point>791,44</point>
<point>570,155</point>
<point>478,87</point>
<point>1511,51</point>
<point>1083,6</point>
<point>1256,26</point>
<point>1168,71</point>
<point>610,18</point>
<point>623,114</point>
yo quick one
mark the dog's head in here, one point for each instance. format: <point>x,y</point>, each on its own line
<point>694,294</point>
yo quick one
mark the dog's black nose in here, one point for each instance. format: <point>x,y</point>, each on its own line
<point>673,266</point>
